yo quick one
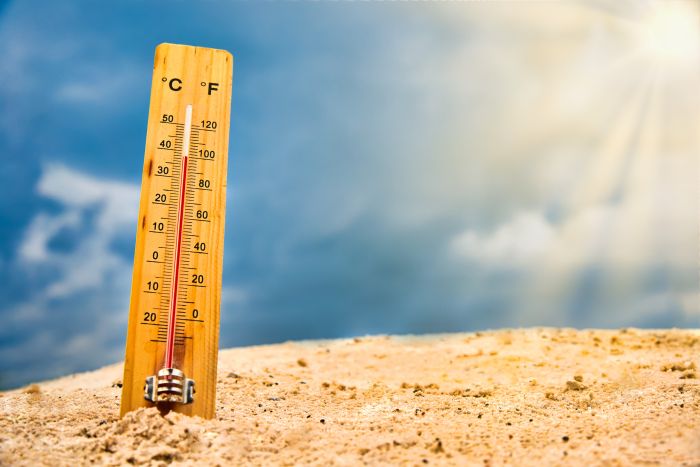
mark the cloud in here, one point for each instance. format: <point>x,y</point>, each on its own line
<point>92,260</point>
<point>598,265</point>
<point>515,243</point>
<point>34,247</point>
<point>77,305</point>
<point>616,235</point>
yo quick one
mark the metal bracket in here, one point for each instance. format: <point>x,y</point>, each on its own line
<point>169,385</point>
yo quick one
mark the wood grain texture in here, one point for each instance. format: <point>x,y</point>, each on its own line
<point>202,78</point>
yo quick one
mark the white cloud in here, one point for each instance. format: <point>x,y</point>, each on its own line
<point>623,236</point>
<point>92,214</point>
<point>515,243</point>
<point>90,262</point>
<point>78,190</point>
<point>41,230</point>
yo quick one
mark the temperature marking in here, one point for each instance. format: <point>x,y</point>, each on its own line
<point>172,315</point>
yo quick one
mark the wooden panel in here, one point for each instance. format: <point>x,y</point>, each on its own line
<point>188,217</point>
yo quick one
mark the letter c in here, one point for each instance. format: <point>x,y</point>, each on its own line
<point>172,84</point>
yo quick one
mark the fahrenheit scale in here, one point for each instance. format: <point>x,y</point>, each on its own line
<point>173,336</point>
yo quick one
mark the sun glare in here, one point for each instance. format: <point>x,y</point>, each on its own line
<point>671,32</point>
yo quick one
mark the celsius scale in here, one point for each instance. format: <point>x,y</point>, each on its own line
<point>173,335</point>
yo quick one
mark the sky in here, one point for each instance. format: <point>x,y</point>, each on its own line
<point>401,168</point>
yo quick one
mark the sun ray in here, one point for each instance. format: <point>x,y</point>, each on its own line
<point>625,254</point>
<point>622,166</point>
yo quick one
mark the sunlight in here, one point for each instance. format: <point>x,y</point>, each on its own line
<point>671,32</point>
<point>605,244</point>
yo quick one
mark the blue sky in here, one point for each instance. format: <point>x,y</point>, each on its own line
<point>393,168</point>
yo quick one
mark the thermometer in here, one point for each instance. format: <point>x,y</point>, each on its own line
<point>173,335</point>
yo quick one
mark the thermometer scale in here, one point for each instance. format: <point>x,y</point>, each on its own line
<point>173,334</point>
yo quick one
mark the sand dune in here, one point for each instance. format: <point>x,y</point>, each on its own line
<point>518,397</point>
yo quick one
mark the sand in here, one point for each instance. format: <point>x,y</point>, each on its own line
<point>518,397</point>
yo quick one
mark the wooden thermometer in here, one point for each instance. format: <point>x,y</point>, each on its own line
<point>173,336</point>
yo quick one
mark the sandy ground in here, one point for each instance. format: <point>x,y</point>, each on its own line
<point>519,397</point>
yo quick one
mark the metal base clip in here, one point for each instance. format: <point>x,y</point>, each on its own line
<point>169,385</point>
